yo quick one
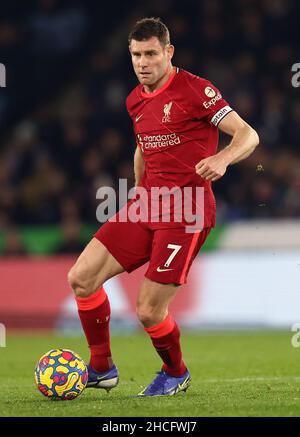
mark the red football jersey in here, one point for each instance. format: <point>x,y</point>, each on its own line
<point>176,127</point>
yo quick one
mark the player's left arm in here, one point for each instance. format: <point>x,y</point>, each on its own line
<point>244,141</point>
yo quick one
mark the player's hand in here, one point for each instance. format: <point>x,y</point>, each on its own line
<point>212,168</point>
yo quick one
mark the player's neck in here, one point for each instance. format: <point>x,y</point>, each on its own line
<point>150,89</point>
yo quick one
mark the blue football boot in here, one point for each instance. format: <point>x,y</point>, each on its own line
<point>167,385</point>
<point>106,380</point>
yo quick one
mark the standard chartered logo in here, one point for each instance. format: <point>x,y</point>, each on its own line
<point>159,141</point>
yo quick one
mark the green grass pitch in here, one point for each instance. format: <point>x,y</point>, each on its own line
<point>233,374</point>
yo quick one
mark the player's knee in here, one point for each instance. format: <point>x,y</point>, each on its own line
<point>147,315</point>
<point>79,283</point>
<point>144,317</point>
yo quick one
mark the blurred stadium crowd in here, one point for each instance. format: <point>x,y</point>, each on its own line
<point>64,127</point>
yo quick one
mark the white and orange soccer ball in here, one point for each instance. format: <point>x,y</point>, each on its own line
<point>61,374</point>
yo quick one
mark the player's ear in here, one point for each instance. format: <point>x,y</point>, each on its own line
<point>171,50</point>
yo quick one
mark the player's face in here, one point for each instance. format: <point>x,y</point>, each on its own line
<point>151,61</point>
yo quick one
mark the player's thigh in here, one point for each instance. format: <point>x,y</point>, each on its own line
<point>173,253</point>
<point>94,266</point>
<point>130,243</point>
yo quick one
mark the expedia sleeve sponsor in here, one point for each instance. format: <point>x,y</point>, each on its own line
<point>205,100</point>
<point>220,114</point>
<point>207,104</point>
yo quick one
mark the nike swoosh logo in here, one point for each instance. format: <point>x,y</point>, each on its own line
<point>100,377</point>
<point>162,270</point>
<point>137,118</point>
<point>184,384</point>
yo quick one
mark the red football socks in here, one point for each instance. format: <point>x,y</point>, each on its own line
<point>94,313</point>
<point>165,338</point>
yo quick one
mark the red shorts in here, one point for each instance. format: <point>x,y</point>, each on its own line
<point>170,252</point>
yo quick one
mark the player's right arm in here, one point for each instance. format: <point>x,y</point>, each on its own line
<point>139,166</point>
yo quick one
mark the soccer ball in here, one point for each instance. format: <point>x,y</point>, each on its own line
<point>61,374</point>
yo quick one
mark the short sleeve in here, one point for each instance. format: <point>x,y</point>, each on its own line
<point>207,101</point>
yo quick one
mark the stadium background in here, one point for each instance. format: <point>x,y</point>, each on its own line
<point>65,133</point>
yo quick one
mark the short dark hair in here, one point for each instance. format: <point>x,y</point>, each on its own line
<point>147,27</point>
